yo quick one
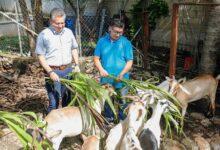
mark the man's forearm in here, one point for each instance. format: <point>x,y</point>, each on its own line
<point>75,56</point>
<point>98,64</point>
<point>47,68</point>
<point>127,67</point>
<point>43,63</point>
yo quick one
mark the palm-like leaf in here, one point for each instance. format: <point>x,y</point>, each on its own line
<point>171,117</point>
<point>18,123</point>
<point>86,91</point>
<point>82,86</point>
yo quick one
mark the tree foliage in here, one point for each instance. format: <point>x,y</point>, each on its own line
<point>156,9</point>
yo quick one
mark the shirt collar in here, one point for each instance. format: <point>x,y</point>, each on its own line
<point>109,38</point>
<point>55,32</point>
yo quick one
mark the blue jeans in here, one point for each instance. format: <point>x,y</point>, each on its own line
<point>56,91</point>
<point>108,113</point>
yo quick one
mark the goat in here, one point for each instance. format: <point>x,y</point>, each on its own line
<point>195,89</point>
<point>150,135</point>
<point>66,122</point>
<point>130,140</point>
<point>144,94</point>
<point>136,113</point>
<point>115,136</point>
<point>91,143</point>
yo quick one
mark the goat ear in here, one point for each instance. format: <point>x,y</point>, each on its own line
<point>170,79</point>
<point>140,113</point>
<point>167,78</point>
<point>126,109</point>
<point>182,80</point>
<point>54,134</point>
<point>83,137</point>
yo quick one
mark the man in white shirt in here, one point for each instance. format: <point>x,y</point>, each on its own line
<point>57,50</point>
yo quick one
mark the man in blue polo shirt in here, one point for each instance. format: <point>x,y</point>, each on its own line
<point>114,56</point>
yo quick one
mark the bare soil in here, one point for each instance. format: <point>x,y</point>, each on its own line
<point>24,91</point>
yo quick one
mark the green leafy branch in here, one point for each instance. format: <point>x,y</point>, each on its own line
<point>20,122</point>
<point>173,117</point>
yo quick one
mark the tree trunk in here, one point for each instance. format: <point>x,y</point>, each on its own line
<point>145,38</point>
<point>209,51</point>
<point>38,16</point>
<point>27,23</point>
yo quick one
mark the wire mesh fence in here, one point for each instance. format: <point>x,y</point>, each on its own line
<point>92,29</point>
<point>193,24</point>
<point>14,37</point>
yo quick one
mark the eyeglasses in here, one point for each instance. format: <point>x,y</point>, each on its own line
<point>116,32</point>
<point>59,23</point>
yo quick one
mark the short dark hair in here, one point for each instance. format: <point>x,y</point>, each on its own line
<point>117,23</point>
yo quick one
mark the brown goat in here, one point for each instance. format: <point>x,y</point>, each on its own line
<point>195,89</point>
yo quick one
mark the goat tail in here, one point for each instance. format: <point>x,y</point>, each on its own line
<point>218,77</point>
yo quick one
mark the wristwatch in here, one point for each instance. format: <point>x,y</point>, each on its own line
<point>50,72</point>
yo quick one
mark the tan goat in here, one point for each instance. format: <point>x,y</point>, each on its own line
<point>67,122</point>
<point>64,122</point>
<point>195,89</point>
<point>91,143</point>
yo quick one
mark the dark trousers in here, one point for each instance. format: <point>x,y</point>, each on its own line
<point>56,91</point>
<point>108,113</point>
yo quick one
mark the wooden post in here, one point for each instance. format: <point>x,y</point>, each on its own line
<point>174,40</point>
<point>78,30</point>
<point>174,33</point>
<point>145,37</point>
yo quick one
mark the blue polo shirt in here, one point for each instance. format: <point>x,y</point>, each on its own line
<point>114,56</point>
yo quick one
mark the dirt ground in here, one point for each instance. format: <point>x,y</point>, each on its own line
<point>24,91</point>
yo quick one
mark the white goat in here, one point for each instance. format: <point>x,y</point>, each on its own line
<point>130,140</point>
<point>136,113</point>
<point>115,136</point>
<point>146,93</point>
<point>150,135</point>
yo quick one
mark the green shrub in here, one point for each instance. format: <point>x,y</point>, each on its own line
<point>11,44</point>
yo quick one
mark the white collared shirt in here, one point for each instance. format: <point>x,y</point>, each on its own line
<point>56,47</point>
